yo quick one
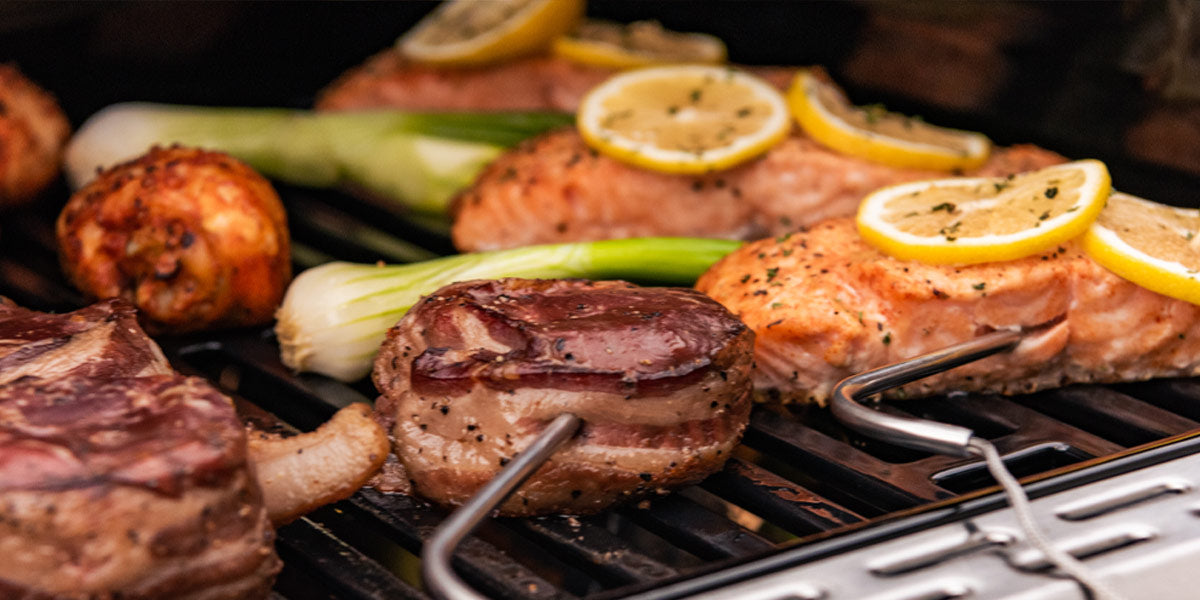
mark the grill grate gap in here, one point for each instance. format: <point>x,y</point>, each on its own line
<point>783,505</point>
<point>342,569</point>
<point>561,575</point>
<point>834,469</point>
<point>614,560</point>
<point>697,529</point>
<point>1175,395</point>
<point>1107,413</point>
<point>409,520</point>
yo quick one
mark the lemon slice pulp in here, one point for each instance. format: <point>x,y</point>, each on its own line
<point>471,32</point>
<point>1153,245</point>
<point>683,118</point>
<point>875,134</point>
<point>639,44</point>
<point>983,219</point>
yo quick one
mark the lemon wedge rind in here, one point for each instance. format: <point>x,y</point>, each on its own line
<point>468,33</point>
<point>956,225</point>
<point>636,45</point>
<point>823,111</point>
<point>1106,245</point>
<point>674,118</point>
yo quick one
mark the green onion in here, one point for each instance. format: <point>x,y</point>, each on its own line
<point>418,159</point>
<point>335,316</point>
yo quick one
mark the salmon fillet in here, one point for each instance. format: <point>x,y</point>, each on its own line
<point>825,305</point>
<point>554,188</point>
<point>534,83</point>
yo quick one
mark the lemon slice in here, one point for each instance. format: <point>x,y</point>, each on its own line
<point>1153,245</point>
<point>639,44</point>
<point>873,133</point>
<point>683,118</point>
<point>983,219</point>
<point>470,32</point>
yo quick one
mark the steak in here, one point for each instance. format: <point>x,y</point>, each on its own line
<point>102,340</point>
<point>130,487</point>
<point>471,375</point>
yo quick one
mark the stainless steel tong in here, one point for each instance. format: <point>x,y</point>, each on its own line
<point>443,582</point>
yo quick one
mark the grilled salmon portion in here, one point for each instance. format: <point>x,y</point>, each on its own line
<point>825,305</point>
<point>554,188</point>
<point>535,83</point>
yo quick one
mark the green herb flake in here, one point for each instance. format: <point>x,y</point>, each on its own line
<point>1051,192</point>
<point>887,338</point>
<point>873,113</point>
<point>772,272</point>
<point>775,305</point>
<point>946,206</point>
<point>980,285</point>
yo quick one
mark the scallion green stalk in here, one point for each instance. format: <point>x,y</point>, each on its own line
<point>418,159</point>
<point>334,316</point>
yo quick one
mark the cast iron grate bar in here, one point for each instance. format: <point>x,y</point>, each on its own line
<point>836,470</point>
<point>592,548</point>
<point>410,521</point>
<point>777,500</point>
<point>347,237</point>
<point>697,529</point>
<point>1109,414</point>
<point>347,571</point>
<point>1181,396</point>
<point>1029,429</point>
<point>1030,426</point>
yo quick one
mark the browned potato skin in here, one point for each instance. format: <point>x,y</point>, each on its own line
<point>197,240</point>
<point>33,132</point>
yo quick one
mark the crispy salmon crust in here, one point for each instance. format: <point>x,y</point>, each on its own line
<point>554,188</point>
<point>824,305</point>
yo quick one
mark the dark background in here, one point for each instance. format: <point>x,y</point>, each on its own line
<point>1073,76</point>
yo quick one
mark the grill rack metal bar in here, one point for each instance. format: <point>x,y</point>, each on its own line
<point>791,458</point>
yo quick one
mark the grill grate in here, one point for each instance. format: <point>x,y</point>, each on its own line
<point>799,476</point>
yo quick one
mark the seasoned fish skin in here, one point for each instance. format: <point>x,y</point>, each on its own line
<point>554,188</point>
<point>825,305</point>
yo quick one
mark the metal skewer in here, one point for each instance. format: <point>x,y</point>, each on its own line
<point>919,434</point>
<point>436,570</point>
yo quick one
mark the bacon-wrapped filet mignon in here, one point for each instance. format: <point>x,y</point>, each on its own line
<point>660,378</point>
<point>128,488</point>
